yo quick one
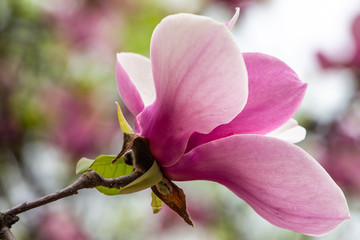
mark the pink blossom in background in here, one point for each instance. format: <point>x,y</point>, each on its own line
<point>10,126</point>
<point>342,150</point>
<point>202,211</point>
<point>342,143</point>
<point>76,123</point>
<point>59,225</point>
<point>353,61</point>
<point>85,23</point>
<point>207,109</point>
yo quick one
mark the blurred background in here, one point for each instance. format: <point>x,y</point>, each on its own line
<point>57,93</point>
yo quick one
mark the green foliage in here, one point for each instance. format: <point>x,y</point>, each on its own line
<point>103,165</point>
<point>156,203</point>
<point>83,165</point>
<point>142,20</point>
<point>148,179</point>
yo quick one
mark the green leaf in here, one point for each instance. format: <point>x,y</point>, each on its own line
<point>124,125</point>
<point>148,179</point>
<point>83,165</point>
<point>156,203</point>
<point>103,165</point>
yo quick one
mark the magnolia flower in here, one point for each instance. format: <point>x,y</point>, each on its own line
<point>206,109</point>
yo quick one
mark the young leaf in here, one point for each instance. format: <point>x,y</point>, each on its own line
<point>83,165</point>
<point>124,125</point>
<point>148,179</point>
<point>103,165</point>
<point>156,203</point>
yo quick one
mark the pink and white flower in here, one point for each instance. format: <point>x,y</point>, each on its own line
<point>207,110</point>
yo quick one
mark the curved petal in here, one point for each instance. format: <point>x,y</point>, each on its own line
<point>289,132</point>
<point>135,81</point>
<point>230,24</point>
<point>200,81</point>
<point>279,180</point>
<point>275,94</point>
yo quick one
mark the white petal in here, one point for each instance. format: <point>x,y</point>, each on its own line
<point>289,132</point>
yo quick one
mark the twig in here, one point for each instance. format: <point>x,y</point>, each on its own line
<point>5,234</point>
<point>5,222</point>
<point>90,179</point>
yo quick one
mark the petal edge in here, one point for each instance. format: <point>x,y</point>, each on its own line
<point>134,81</point>
<point>279,180</point>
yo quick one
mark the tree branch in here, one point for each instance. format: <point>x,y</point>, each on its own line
<point>6,234</point>
<point>90,179</point>
<point>5,222</point>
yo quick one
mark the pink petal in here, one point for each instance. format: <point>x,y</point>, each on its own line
<point>135,81</point>
<point>279,180</point>
<point>327,62</point>
<point>289,132</point>
<point>230,24</point>
<point>356,35</point>
<point>275,94</point>
<point>356,31</point>
<point>200,81</point>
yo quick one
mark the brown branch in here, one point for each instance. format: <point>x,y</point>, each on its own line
<point>90,179</point>
<point>5,234</point>
<point>5,222</point>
